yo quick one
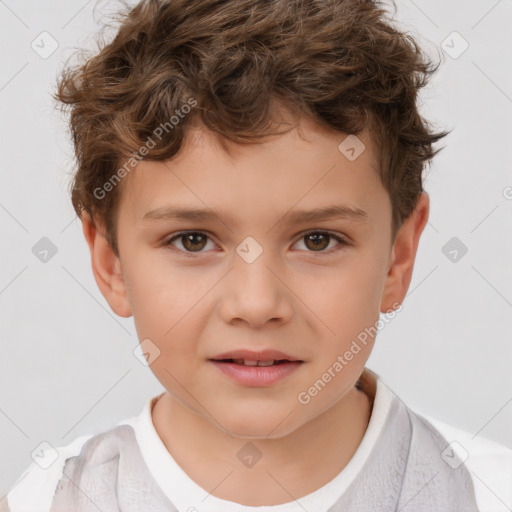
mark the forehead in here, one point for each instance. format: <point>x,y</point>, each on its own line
<point>307,167</point>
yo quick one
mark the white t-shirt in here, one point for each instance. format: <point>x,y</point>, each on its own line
<point>130,464</point>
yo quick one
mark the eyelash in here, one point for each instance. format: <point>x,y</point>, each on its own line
<point>342,241</point>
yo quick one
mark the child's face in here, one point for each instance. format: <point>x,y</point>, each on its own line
<point>307,297</point>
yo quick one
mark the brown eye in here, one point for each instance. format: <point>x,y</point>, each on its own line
<point>192,241</point>
<point>319,241</point>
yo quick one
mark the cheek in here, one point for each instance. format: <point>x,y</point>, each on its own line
<point>161,295</point>
<point>347,305</point>
<point>348,295</point>
<point>168,309</point>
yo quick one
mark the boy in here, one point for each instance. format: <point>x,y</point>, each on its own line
<point>282,139</point>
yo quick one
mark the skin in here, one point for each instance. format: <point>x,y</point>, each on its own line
<point>308,303</point>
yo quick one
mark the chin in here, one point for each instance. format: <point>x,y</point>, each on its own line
<point>251,426</point>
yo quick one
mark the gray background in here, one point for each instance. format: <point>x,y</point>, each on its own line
<point>67,365</point>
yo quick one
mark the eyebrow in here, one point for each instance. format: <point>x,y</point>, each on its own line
<point>349,212</point>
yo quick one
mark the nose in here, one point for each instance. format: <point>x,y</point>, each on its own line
<point>256,293</point>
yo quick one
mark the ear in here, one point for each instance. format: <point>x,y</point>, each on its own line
<point>106,268</point>
<point>404,254</point>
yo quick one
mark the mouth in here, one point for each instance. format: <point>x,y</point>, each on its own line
<point>256,369</point>
<point>267,357</point>
<point>248,362</point>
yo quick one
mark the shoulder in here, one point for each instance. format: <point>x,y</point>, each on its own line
<point>488,463</point>
<point>35,488</point>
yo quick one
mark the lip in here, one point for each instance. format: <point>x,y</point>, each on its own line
<point>251,355</point>
<point>257,376</point>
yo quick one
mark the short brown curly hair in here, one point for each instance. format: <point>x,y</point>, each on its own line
<point>343,63</point>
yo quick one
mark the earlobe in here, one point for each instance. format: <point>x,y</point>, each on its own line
<point>106,268</point>
<point>404,254</point>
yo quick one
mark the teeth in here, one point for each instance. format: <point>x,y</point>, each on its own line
<point>247,362</point>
